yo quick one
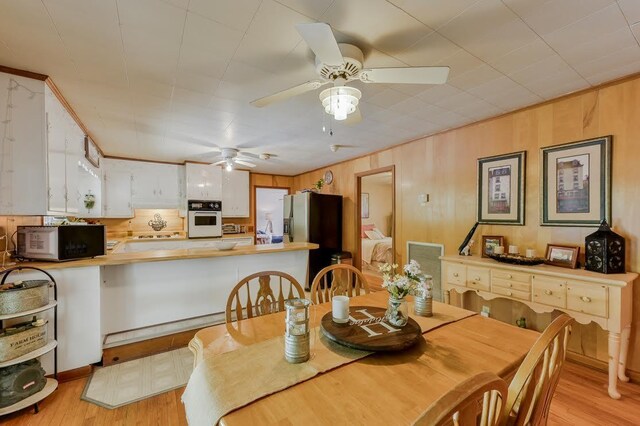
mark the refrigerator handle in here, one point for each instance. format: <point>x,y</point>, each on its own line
<point>291,220</point>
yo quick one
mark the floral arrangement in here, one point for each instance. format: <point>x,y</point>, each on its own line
<point>410,282</point>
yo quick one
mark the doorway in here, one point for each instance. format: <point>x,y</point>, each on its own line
<point>269,214</point>
<point>375,196</point>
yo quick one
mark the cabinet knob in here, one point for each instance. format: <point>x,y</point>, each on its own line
<point>548,292</point>
<point>477,278</point>
<point>510,285</point>
<point>509,276</point>
<point>455,274</point>
<point>585,299</point>
<point>509,293</point>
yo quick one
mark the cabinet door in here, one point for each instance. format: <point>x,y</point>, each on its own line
<point>196,175</point>
<point>213,184</point>
<point>74,148</point>
<point>56,158</point>
<point>167,187</point>
<point>235,193</point>
<point>117,194</point>
<point>144,192</point>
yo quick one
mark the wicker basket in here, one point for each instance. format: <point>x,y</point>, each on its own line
<point>21,339</point>
<point>23,296</point>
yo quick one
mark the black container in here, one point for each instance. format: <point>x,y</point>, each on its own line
<point>605,251</point>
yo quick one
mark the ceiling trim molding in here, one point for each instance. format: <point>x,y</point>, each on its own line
<point>23,73</point>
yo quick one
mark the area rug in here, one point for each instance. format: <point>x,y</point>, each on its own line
<point>121,384</point>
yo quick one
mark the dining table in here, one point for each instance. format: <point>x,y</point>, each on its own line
<point>379,388</point>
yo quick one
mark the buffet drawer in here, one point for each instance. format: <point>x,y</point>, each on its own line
<point>479,278</point>
<point>512,285</point>
<point>456,274</point>
<point>511,276</point>
<point>516,294</point>
<point>588,298</point>
<point>549,291</point>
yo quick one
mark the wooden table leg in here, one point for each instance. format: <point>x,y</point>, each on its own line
<point>624,349</point>
<point>614,357</point>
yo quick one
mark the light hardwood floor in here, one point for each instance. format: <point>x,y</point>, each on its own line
<point>581,399</point>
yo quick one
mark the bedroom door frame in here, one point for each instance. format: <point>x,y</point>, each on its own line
<point>358,254</point>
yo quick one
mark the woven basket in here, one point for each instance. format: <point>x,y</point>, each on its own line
<point>23,296</point>
<point>21,339</point>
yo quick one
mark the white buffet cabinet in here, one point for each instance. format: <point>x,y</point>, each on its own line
<point>584,295</point>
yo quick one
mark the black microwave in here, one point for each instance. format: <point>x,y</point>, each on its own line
<point>59,243</point>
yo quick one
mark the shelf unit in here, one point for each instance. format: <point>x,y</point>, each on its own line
<point>51,384</point>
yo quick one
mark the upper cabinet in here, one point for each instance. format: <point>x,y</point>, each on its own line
<point>235,193</point>
<point>204,182</point>
<point>41,150</point>
<point>118,183</point>
<point>156,185</point>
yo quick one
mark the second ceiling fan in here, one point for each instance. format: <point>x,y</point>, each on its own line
<point>340,63</point>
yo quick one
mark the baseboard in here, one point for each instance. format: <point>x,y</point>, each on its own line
<point>130,351</point>
<point>76,373</point>
<point>599,365</point>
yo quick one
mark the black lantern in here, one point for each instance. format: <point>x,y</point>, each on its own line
<point>605,251</point>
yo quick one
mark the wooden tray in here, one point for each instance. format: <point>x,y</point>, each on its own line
<point>368,332</point>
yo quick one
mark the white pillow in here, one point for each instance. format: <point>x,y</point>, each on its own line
<point>373,235</point>
<point>379,233</point>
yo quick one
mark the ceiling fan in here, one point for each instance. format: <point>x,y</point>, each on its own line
<point>231,156</point>
<point>340,63</point>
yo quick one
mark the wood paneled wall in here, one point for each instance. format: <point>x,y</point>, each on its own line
<point>444,166</point>
<point>139,224</point>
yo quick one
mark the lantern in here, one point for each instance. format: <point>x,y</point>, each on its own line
<point>296,337</point>
<point>605,251</point>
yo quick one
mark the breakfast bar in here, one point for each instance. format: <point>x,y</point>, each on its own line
<point>120,292</point>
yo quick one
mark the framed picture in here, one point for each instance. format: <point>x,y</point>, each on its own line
<point>364,205</point>
<point>91,152</point>
<point>501,189</point>
<point>489,242</point>
<point>576,183</point>
<point>565,256</point>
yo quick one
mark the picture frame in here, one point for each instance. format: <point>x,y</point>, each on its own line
<point>501,189</point>
<point>91,151</point>
<point>489,242</point>
<point>576,183</point>
<point>364,205</point>
<point>562,255</point>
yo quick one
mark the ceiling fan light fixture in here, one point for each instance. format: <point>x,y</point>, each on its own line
<point>340,101</point>
<point>229,166</point>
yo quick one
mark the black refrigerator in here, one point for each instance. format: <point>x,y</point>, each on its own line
<point>314,218</point>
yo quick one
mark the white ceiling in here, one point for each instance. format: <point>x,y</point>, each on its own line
<point>172,79</point>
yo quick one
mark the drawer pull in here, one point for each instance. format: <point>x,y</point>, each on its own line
<point>509,276</point>
<point>510,285</point>
<point>477,278</point>
<point>548,292</point>
<point>509,293</point>
<point>585,299</point>
<point>455,274</point>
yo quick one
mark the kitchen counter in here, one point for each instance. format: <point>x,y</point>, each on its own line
<point>165,255</point>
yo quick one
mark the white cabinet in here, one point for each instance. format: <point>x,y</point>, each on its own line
<point>156,185</point>
<point>117,191</point>
<point>204,182</point>
<point>235,193</point>
<point>65,145</point>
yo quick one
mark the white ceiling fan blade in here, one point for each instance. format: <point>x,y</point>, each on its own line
<point>321,40</point>
<point>409,75</point>
<point>244,163</point>
<point>354,118</point>
<point>219,162</point>
<point>289,93</point>
<point>248,155</point>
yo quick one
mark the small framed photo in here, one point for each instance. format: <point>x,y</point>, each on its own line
<point>364,205</point>
<point>490,242</point>
<point>576,183</point>
<point>565,256</point>
<point>501,189</point>
<point>91,152</point>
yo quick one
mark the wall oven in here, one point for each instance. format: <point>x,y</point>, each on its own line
<point>205,219</point>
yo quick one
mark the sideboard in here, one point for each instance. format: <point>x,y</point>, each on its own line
<point>586,296</point>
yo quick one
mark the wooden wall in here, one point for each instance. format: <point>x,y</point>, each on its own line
<point>139,224</point>
<point>444,166</point>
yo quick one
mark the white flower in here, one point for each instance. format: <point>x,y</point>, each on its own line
<point>412,268</point>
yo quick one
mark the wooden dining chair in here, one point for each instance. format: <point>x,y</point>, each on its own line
<point>264,301</point>
<point>338,279</point>
<point>534,384</point>
<point>476,401</point>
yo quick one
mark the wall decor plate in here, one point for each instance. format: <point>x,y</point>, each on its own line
<point>576,183</point>
<point>501,189</point>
